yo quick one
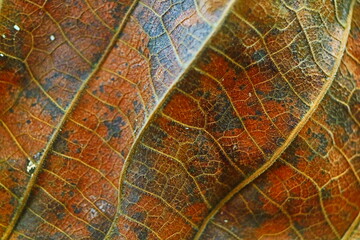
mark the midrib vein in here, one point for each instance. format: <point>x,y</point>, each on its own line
<point>352,228</point>
<point>63,120</point>
<point>148,121</point>
<point>292,135</point>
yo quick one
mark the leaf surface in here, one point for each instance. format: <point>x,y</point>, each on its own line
<point>186,119</point>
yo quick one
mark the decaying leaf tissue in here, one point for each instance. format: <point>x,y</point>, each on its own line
<point>179,119</point>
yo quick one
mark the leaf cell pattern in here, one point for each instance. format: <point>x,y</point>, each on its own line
<point>179,119</point>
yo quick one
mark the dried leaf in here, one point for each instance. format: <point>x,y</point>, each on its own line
<point>191,119</point>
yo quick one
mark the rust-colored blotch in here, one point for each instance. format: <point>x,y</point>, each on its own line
<point>169,119</point>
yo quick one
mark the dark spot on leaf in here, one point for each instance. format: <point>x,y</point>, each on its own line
<point>258,55</point>
<point>102,88</point>
<point>141,233</point>
<point>326,193</point>
<point>95,234</point>
<point>60,144</point>
<point>224,115</point>
<point>139,216</point>
<point>323,142</point>
<point>137,106</point>
<point>77,209</point>
<point>114,127</point>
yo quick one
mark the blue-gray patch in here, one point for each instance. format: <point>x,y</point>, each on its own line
<point>141,233</point>
<point>258,55</point>
<point>133,196</point>
<point>95,234</point>
<point>137,106</point>
<point>49,106</point>
<point>114,127</point>
<point>149,21</point>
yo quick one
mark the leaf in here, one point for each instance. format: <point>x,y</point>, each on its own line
<point>186,119</point>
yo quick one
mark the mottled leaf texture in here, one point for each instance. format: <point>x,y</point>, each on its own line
<point>179,119</point>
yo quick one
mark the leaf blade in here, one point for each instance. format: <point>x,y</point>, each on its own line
<point>192,116</point>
